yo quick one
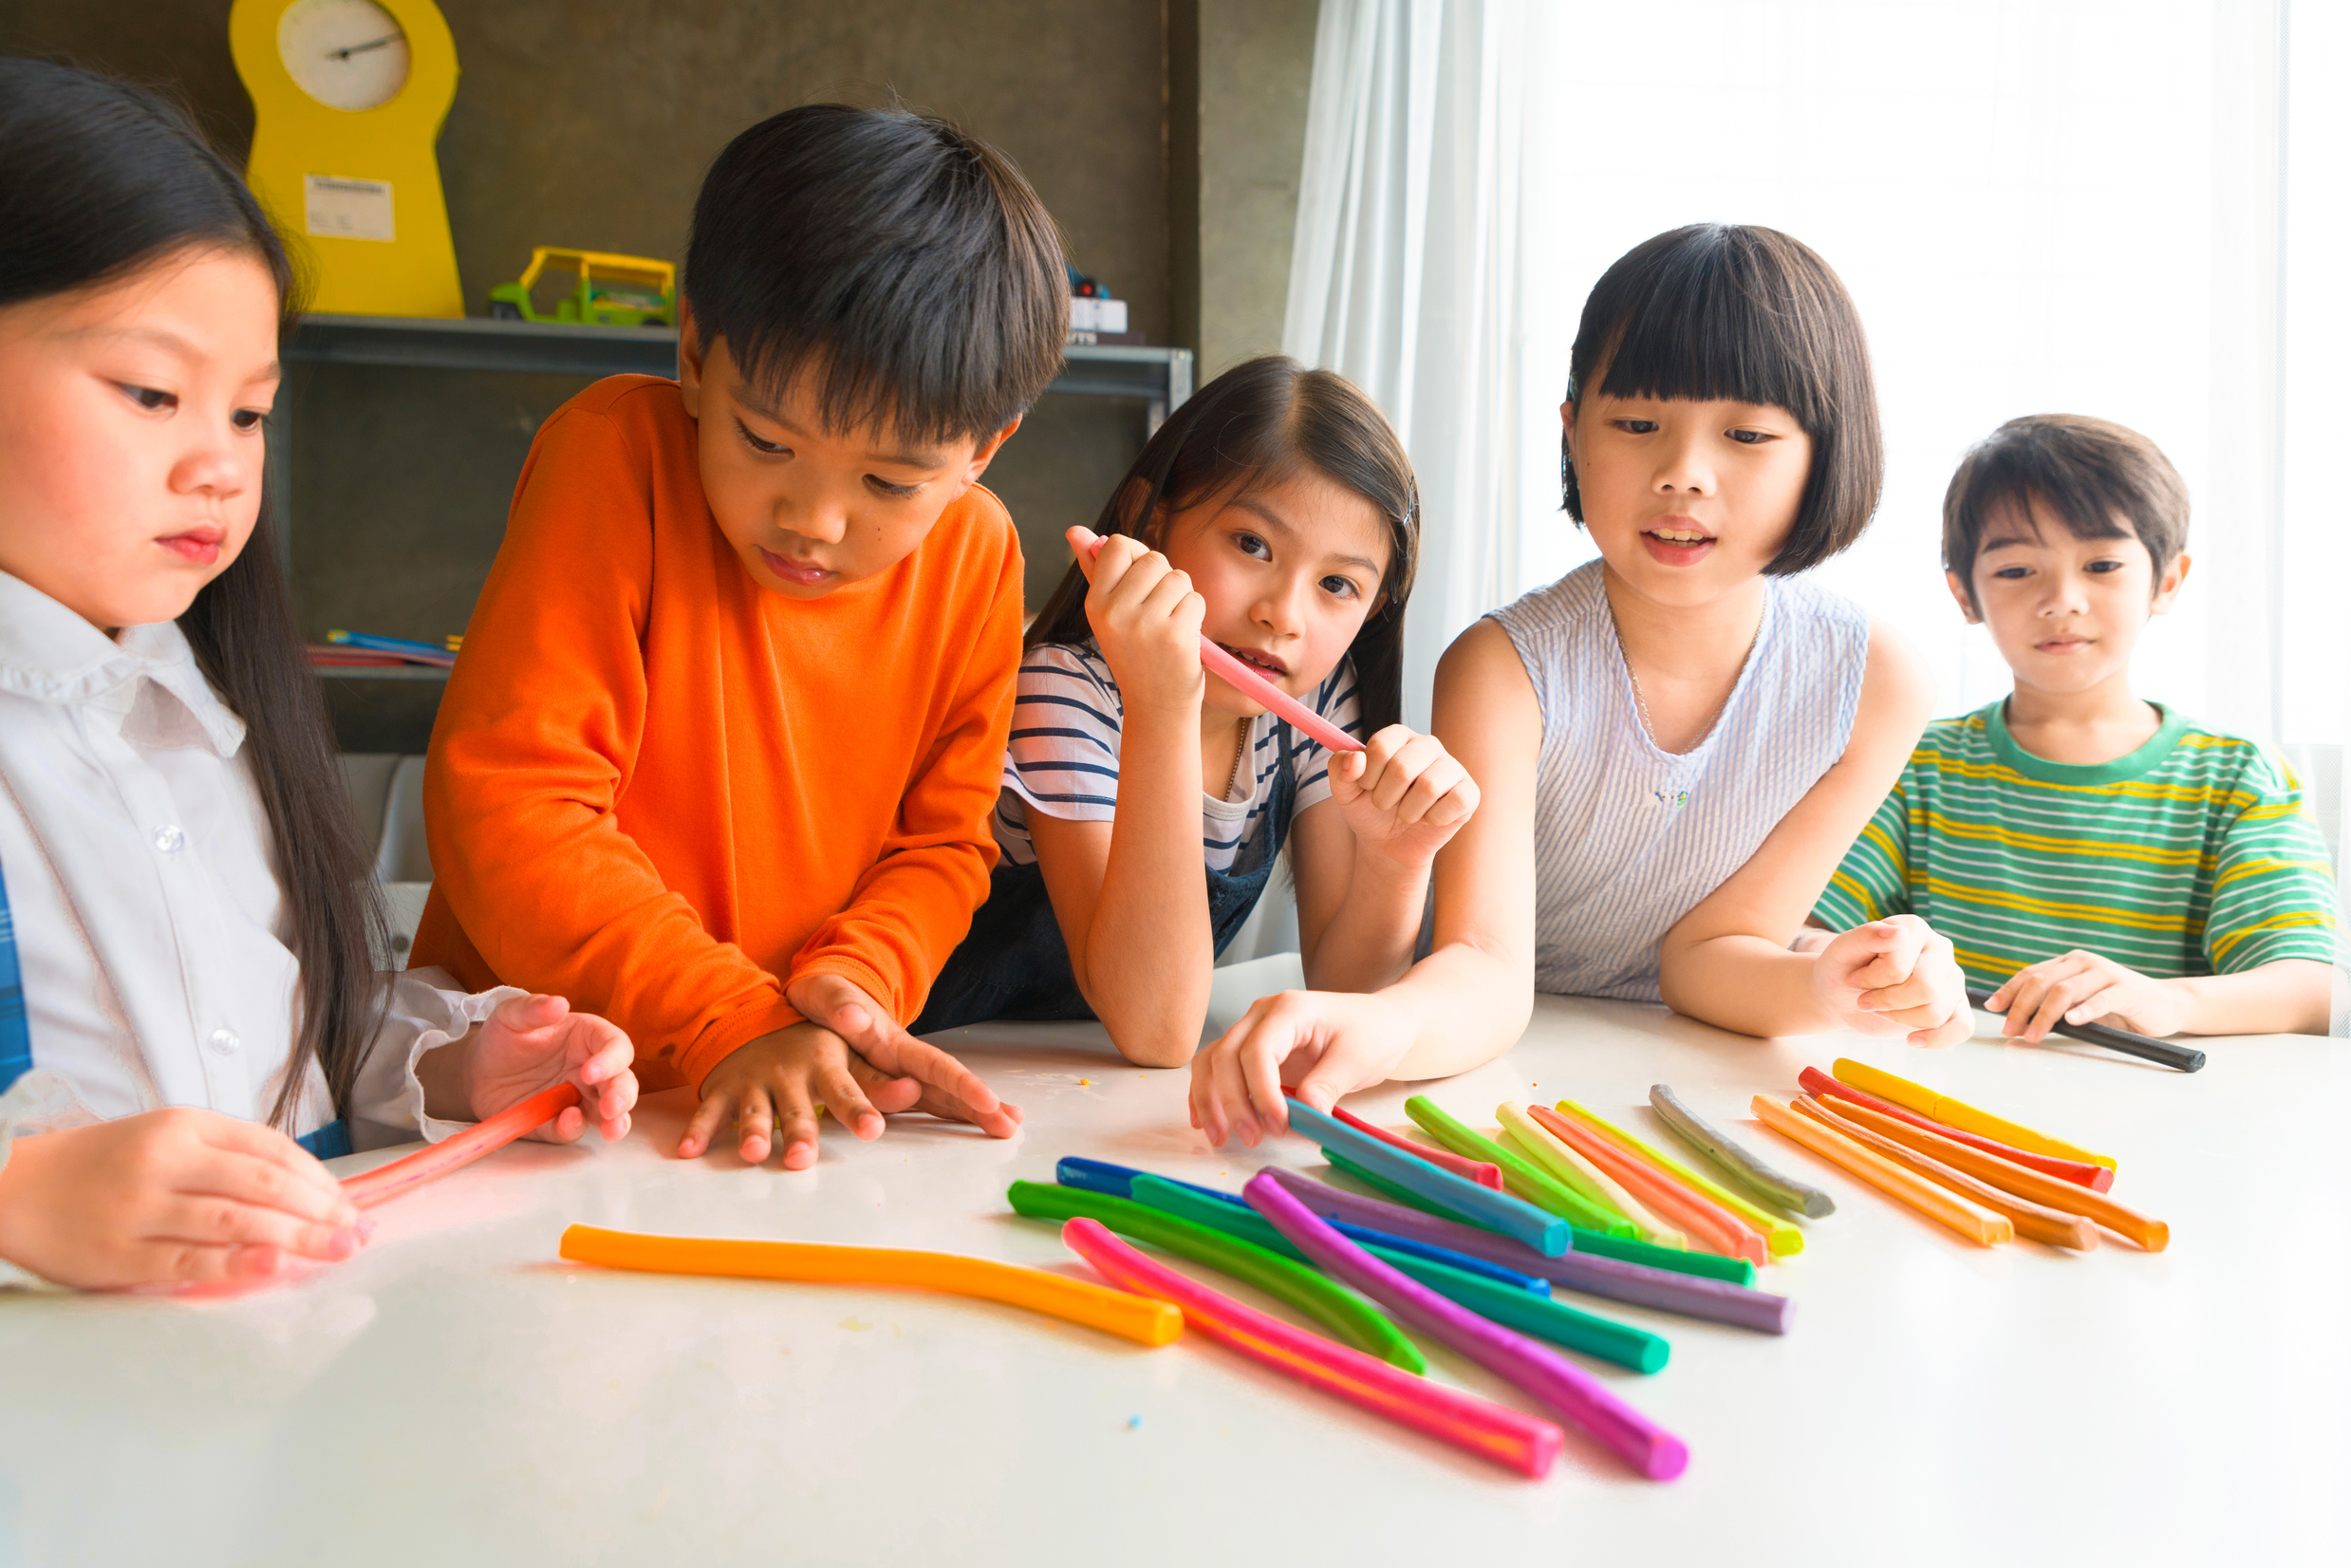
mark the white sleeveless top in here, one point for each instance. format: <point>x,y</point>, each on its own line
<point>1629,838</point>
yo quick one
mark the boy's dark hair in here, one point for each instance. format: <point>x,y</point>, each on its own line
<point>1728,311</point>
<point>2101,480</point>
<point>905,267</point>
<point>1263,420</point>
<point>101,179</point>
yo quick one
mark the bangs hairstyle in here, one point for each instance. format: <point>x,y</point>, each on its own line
<point>904,269</point>
<point>2102,480</point>
<point>1259,422</point>
<point>1725,311</point>
<point>100,179</point>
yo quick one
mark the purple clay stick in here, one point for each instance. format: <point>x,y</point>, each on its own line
<point>1716,1301</point>
<point>1560,1386</point>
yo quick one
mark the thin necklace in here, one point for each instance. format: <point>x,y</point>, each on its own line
<point>1240,751</point>
<point>1649,725</point>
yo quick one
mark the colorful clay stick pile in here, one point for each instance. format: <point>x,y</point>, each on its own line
<point>1959,1114</point>
<point>1494,1433</point>
<point>1530,1311</point>
<point>1965,1218</point>
<point>2187,1059</point>
<point>1573,1171</point>
<point>1739,1271</point>
<point>1341,1310</point>
<point>2097,1178</point>
<point>1706,1224</point>
<point>1715,1300</point>
<point>1561,1387</point>
<point>2029,1219</point>
<point>1781,1239</point>
<point>1545,1232</point>
<point>1520,1175</point>
<point>2021,1180</point>
<point>1145,1322</point>
<point>370,1187</point>
<point>1736,1162</point>
<point>1477,1170</point>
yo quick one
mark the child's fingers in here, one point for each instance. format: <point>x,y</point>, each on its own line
<point>1232,1092</point>
<point>889,1094</point>
<point>797,1113</point>
<point>754,1124</point>
<point>704,1124</point>
<point>307,1180</point>
<point>219,1221</point>
<point>847,1103</point>
<point>231,1176</point>
<point>1959,1026</point>
<point>2062,996</point>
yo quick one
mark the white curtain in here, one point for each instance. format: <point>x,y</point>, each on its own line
<point>2135,210</point>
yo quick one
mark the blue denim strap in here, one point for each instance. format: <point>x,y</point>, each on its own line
<point>16,1037</point>
<point>329,1141</point>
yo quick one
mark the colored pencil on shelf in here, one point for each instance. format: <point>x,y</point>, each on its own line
<point>2032,1222</point>
<point>1959,1114</point>
<point>2097,1178</point>
<point>1905,1186</point>
<point>1779,1236</point>
<point>2153,1235</point>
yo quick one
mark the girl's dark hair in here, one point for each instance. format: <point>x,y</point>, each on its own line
<point>1730,311</point>
<point>906,266</point>
<point>1259,422</point>
<point>97,179</point>
<point>2101,480</point>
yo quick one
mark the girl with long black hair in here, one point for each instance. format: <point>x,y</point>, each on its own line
<point>190,1015</point>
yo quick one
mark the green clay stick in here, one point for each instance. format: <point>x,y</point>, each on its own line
<point>1737,1163</point>
<point>1338,1307</point>
<point>1520,1174</point>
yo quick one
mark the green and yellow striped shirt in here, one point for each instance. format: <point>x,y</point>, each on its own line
<point>2190,856</point>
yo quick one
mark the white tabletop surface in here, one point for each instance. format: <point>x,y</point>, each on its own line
<point>456,1394</point>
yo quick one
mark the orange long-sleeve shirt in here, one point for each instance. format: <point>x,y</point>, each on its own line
<point>662,791</point>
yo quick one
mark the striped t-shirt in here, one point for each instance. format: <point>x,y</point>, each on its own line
<point>1063,757</point>
<point>2190,856</point>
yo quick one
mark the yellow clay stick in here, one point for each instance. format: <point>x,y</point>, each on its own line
<point>1779,1236</point>
<point>1959,1114</point>
<point>1141,1319</point>
<point>1586,1178</point>
<point>1931,1201</point>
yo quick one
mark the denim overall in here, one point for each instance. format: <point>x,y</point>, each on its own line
<point>1013,964</point>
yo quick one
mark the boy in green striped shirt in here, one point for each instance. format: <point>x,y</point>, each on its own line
<point>2093,857</point>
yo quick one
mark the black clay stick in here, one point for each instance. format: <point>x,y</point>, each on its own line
<point>1742,1168</point>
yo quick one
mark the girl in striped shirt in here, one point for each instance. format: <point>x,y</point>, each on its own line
<point>1274,513</point>
<point>1677,741</point>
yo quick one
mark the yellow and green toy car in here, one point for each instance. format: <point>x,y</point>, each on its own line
<point>614,291</point>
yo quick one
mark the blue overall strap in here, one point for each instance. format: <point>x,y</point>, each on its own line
<point>16,1037</point>
<point>330,1142</point>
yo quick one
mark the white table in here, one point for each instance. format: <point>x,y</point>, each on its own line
<point>456,1394</point>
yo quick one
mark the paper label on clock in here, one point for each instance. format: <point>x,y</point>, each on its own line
<point>347,208</point>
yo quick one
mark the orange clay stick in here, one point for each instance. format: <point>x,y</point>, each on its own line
<point>1708,1229</point>
<point>2097,1178</point>
<point>1562,1160</point>
<point>1959,1114</point>
<point>1936,1204</point>
<point>2054,1191</point>
<point>1137,1318</point>
<point>2032,1222</point>
<point>1781,1236</point>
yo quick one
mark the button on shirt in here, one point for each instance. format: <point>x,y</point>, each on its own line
<point>150,926</point>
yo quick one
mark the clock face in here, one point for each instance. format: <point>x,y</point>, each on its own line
<point>348,54</point>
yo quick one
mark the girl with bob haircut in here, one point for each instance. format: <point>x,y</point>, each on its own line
<point>1676,743</point>
<point>190,1015</point>
<point>1275,511</point>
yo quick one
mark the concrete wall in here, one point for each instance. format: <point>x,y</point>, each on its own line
<point>588,122</point>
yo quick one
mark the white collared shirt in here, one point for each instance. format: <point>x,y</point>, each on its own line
<point>150,926</point>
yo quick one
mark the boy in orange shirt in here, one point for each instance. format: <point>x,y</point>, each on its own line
<point>718,758</point>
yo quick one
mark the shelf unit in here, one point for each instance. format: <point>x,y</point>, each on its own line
<point>1162,378</point>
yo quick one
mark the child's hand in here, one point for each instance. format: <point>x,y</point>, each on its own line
<point>177,1196</point>
<point>886,1053</point>
<point>2078,987</point>
<point>1329,1043</point>
<point>1894,977</point>
<point>1145,619</point>
<point>1403,795</point>
<point>783,1077</point>
<point>530,1043</point>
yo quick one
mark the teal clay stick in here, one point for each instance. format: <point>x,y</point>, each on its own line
<point>1737,1163</point>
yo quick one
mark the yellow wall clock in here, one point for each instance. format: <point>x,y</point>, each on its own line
<point>349,96</point>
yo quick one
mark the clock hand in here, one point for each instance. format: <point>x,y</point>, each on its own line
<point>363,48</point>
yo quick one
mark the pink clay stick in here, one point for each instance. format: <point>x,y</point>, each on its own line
<point>370,1187</point>
<point>1264,692</point>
